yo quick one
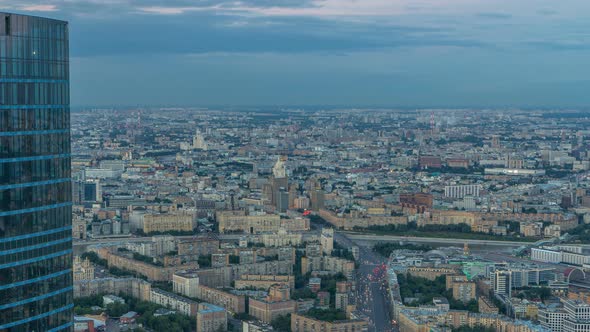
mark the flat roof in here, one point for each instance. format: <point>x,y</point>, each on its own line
<point>35,16</point>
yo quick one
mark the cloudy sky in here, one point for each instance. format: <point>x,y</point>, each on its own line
<point>422,53</point>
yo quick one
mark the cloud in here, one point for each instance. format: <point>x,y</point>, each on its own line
<point>315,8</point>
<point>546,12</point>
<point>562,45</point>
<point>172,10</point>
<point>39,8</point>
<point>28,7</point>
<point>499,16</point>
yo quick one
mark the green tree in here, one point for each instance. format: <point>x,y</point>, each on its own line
<point>282,323</point>
<point>117,309</point>
<point>327,315</point>
<point>204,261</point>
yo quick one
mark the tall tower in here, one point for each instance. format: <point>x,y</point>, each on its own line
<point>35,181</point>
<point>432,123</point>
<point>199,141</point>
<point>279,182</point>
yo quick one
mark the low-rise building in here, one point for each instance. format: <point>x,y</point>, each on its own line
<point>173,301</point>
<point>531,229</point>
<point>233,221</point>
<point>134,287</point>
<point>199,246</point>
<point>463,290</point>
<point>152,272</point>
<point>164,222</point>
<point>186,283</point>
<point>281,238</point>
<point>301,323</point>
<point>211,318</point>
<point>267,310</point>
<point>486,306</point>
<point>561,254</point>
<point>258,281</point>
<point>432,272</point>
<point>233,303</point>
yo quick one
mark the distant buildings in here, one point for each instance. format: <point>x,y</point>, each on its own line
<point>238,221</point>
<point>173,301</point>
<point>461,191</point>
<point>186,283</point>
<point>161,223</point>
<point>301,323</point>
<point>151,271</point>
<point>211,318</point>
<point>463,289</point>
<point>429,319</point>
<point>327,240</point>
<point>561,254</point>
<point>255,281</point>
<point>83,269</point>
<point>573,316</point>
<point>277,303</point>
<point>235,304</point>
<point>492,173</point>
<point>505,277</point>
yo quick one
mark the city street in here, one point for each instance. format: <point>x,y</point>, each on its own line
<point>371,299</point>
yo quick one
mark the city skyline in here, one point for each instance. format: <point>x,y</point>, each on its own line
<point>370,53</point>
<point>154,210</point>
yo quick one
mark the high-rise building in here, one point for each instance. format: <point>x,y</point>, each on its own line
<point>279,183</point>
<point>327,240</point>
<point>317,199</point>
<point>35,186</point>
<point>502,282</point>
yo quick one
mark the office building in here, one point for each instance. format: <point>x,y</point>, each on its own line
<point>572,316</point>
<point>502,282</point>
<point>327,240</point>
<point>35,184</point>
<point>461,191</point>
<point>317,199</point>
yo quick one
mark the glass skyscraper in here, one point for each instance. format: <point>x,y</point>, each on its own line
<point>35,188</point>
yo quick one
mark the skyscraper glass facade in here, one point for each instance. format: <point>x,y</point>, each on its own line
<point>35,186</point>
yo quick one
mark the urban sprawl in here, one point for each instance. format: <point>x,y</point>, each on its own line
<point>328,220</point>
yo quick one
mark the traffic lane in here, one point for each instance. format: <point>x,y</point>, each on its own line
<point>381,313</point>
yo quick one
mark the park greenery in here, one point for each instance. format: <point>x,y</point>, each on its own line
<point>282,323</point>
<point>171,323</point>
<point>386,248</point>
<point>457,231</point>
<point>93,258</point>
<point>204,261</point>
<point>534,293</point>
<point>124,273</point>
<point>342,252</point>
<point>326,315</point>
<point>582,233</point>
<point>234,259</point>
<point>146,259</point>
<point>475,328</point>
<point>303,293</point>
<point>424,290</point>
